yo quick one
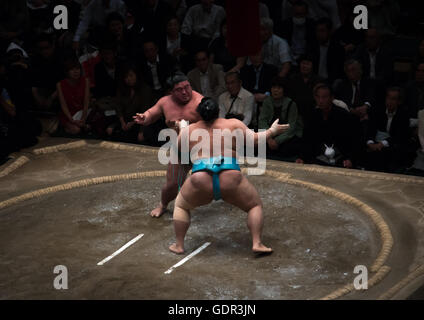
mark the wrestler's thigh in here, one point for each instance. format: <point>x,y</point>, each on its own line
<point>198,189</point>
<point>242,195</point>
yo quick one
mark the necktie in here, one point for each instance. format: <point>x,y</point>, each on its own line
<point>356,100</point>
<point>232,103</point>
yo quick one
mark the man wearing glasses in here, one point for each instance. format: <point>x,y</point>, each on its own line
<point>179,105</point>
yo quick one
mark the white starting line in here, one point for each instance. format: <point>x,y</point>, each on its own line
<point>191,255</point>
<point>121,249</point>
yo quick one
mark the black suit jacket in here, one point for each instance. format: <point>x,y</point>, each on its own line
<point>105,84</point>
<point>335,59</point>
<point>248,76</point>
<point>286,31</point>
<point>399,128</point>
<point>341,130</point>
<point>383,63</point>
<point>367,88</point>
<point>164,68</point>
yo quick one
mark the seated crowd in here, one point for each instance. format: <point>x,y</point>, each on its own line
<point>353,98</point>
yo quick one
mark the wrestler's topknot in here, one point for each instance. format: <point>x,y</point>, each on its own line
<point>208,109</point>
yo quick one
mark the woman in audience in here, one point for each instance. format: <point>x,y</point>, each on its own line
<point>74,97</point>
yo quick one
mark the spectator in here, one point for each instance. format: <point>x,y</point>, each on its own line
<point>180,8</point>
<point>133,97</point>
<point>18,129</point>
<point>116,32</point>
<point>383,15</point>
<point>387,137</point>
<point>74,97</point>
<point>263,10</point>
<point>202,22</point>
<point>178,45</point>
<point>375,60</point>
<point>236,102</point>
<point>275,50</point>
<point>65,36</point>
<point>278,106</point>
<point>156,68</point>
<point>105,72</point>
<point>41,16</point>
<point>347,35</point>
<point>298,30</point>
<point>221,55</point>
<point>358,92</point>
<point>317,10</point>
<point>14,22</point>
<point>207,78</point>
<point>256,77</point>
<point>329,55</point>
<point>414,93</point>
<point>332,136</point>
<point>46,72</point>
<point>94,16</point>
<point>154,16</point>
<point>301,85</point>
<point>18,77</point>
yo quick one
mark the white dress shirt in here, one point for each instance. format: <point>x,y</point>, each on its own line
<point>205,85</point>
<point>201,23</point>
<point>243,104</point>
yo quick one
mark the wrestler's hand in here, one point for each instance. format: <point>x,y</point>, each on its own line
<point>277,129</point>
<point>139,118</point>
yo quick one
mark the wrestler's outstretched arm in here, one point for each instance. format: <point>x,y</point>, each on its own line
<point>275,130</point>
<point>151,115</point>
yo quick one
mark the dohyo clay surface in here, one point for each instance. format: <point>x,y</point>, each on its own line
<point>75,202</point>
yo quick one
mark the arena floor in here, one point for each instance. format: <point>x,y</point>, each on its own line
<point>76,202</point>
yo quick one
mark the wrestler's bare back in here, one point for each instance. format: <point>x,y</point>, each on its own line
<point>235,188</point>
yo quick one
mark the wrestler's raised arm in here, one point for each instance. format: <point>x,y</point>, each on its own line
<point>275,130</point>
<point>151,115</point>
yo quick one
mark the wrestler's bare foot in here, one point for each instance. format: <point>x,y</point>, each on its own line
<point>157,212</point>
<point>176,249</point>
<point>260,248</point>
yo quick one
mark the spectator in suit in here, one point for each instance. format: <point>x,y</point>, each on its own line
<point>207,78</point>
<point>236,102</point>
<point>278,106</point>
<point>387,137</point>
<point>357,92</point>
<point>347,35</point>
<point>257,77</point>
<point>301,85</point>
<point>374,58</point>
<point>105,72</point>
<point>329,54</point>
<point>276,50</point>
<point>202,22</point>
<point>332,135</point>
<point>154,15</point>
<point>298,30</point>
<point>178,45</point>
<point>155,68</point>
